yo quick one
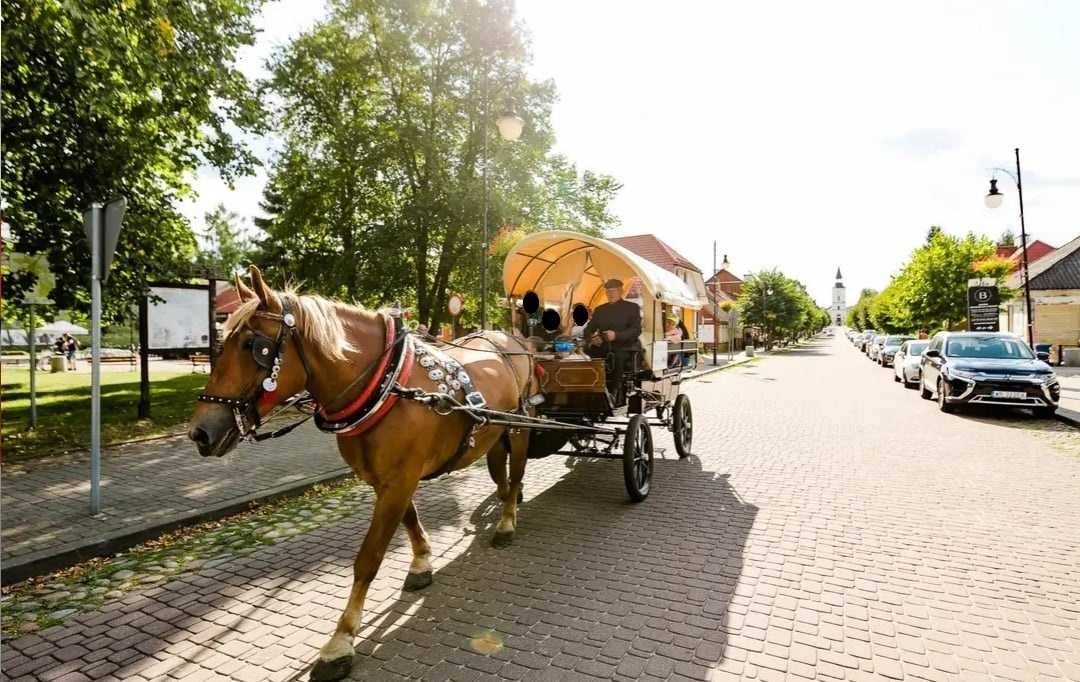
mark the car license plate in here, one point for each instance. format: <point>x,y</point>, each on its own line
<point>1015,395</point>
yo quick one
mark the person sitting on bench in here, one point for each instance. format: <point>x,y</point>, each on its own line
<point>615,329</point>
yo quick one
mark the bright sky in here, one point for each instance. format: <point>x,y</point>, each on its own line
<point>800,135</point>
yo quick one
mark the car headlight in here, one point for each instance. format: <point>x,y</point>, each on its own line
<point>963,374</point>
<point>1049,379</point>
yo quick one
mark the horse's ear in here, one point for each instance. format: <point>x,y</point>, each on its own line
<point>242,290</point>
<point>266,295</point>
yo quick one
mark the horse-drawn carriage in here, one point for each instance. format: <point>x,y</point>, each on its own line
<point>582,410</point>
<point>405,407</point>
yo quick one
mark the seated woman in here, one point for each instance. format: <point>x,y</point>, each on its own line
<point>673,335</point>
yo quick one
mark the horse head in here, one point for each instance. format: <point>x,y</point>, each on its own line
<point>259,365</point>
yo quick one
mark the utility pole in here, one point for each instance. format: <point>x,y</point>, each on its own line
<point>1024,256</point>
<point>715,319</point>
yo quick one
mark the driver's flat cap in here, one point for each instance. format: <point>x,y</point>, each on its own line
<point>613,283</point>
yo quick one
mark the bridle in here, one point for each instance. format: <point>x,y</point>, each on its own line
<point>266,353</point>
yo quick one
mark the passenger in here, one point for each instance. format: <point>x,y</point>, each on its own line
<point>673,335</point>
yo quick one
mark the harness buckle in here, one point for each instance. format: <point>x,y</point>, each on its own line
<point>475,399</point>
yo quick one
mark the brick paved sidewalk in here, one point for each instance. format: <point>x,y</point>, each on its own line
<point>1070,392</point>
<point>831,526</point>
<point>45,503</point>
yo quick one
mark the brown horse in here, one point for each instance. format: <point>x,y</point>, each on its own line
<point>324,347</point>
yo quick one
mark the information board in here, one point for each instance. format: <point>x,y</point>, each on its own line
<point>179,318</point>
<point>983,313</point>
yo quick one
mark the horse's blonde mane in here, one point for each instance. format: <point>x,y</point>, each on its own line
<point>317,321</point>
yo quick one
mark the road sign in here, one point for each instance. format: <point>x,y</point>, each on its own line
<point>983,313</point>
<point>109,222</point>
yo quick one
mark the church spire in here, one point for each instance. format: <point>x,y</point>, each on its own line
<point>838,273</point>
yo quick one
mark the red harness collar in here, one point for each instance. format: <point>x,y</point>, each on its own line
<point>378,405</point>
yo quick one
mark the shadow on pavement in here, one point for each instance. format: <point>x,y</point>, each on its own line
<point>592,583</point>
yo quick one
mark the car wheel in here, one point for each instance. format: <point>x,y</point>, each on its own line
<point>926,395</point>
<point>1045,412</point>
<point>942,397</point>
<point>895,378</point>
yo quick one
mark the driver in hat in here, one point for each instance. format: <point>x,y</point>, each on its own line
<point>615,328</point>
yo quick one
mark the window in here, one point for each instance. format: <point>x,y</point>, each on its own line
<point>996,347</point>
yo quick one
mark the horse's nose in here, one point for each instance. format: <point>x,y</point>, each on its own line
<point>201,437</point>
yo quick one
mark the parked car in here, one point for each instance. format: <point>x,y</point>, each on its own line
<point>874,347</point>
<point>888,349</point>
<point>865,338</point>
<point>987,368</point>
<point>906,362</point>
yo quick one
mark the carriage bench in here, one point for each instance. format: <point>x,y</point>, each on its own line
<point>199,361</point>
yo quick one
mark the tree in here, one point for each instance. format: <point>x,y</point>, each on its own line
<point>227,251</point>
<point>103,98</point>
<point>859,314</point>
<point>386,110</point>
<point>1007,238</point>
<point>930,291</point>
<point>931,288</point>
<point>776,304</point>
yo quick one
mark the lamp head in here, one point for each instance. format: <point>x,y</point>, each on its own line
<point>994,197</point>
<point>510,126</point>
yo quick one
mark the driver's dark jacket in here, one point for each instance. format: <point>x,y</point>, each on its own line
<point>622,317</point>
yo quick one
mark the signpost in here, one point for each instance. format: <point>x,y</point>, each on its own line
<point>983,312</point>
<point>102,224</point>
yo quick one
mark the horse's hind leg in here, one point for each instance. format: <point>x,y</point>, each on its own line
<point>510,495</point>
<point>496,463</point>
<point>419,575</point>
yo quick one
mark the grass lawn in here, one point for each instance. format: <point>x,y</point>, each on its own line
<point>63,410</point>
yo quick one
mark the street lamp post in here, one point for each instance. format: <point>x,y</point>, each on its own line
<point>993,200</point>
<point>510,126</point>
<point>765,315</point>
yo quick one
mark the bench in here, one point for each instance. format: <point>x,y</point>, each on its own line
<point>200,360</point>
<point>117,359</point>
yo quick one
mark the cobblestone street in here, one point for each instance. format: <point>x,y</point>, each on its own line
<point>831,525</point>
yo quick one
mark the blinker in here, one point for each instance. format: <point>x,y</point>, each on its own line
<point>262,349</point>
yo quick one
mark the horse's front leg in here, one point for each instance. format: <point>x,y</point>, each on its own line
<point>391,503</point>
<point>420,569</point>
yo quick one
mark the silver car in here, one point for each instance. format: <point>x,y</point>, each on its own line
<point>906,362</point>
<point>874,347</point>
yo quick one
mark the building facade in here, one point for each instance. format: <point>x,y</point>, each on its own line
<point>838,309</point>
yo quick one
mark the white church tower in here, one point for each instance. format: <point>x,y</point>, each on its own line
<point>838,311</point>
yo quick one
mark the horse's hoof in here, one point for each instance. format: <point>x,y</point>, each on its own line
<point>331,671</point>
<point>417,581</point>
<point>501,540</point>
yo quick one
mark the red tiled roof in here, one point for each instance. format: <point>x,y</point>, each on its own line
<point>1005,250</point>
<point>225,302</point>
<point>1036,250</point>
<point>653,249</point>
<point>723,276</point>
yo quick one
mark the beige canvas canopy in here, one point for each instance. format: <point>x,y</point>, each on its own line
<point>566,268</point>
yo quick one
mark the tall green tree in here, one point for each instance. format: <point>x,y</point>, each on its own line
<point>930,291</point>
<point>776,304</point>
<point>226,249</point>
<point>386,109</point>
<point>858,315</point>
<point>118,97</point>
